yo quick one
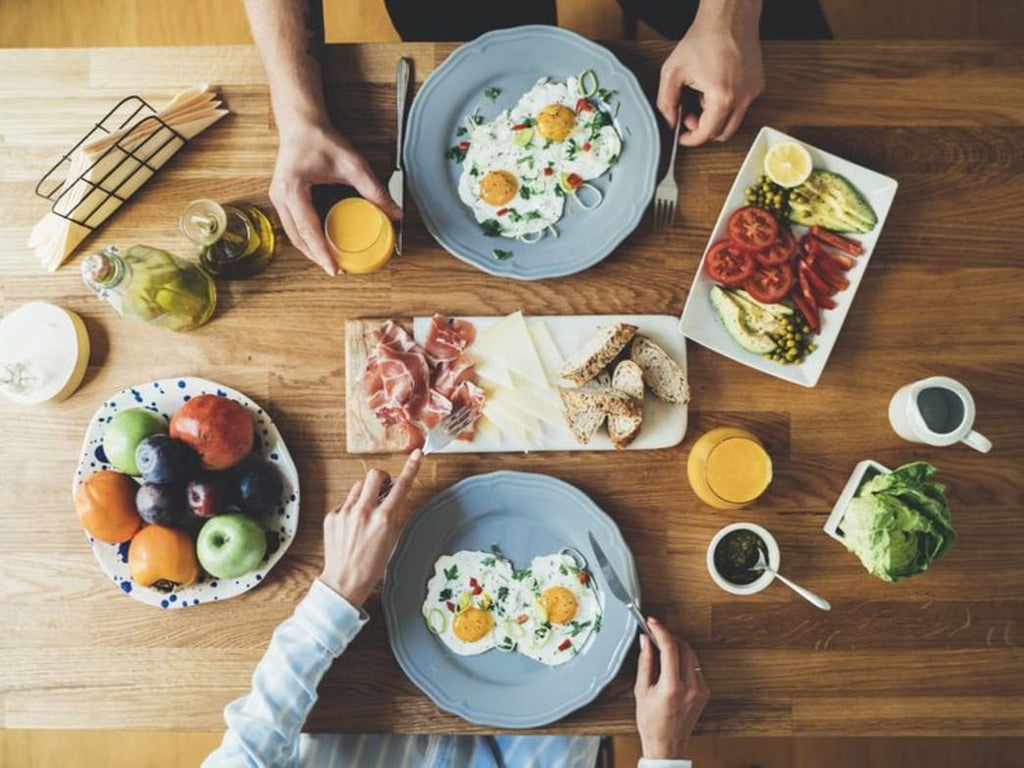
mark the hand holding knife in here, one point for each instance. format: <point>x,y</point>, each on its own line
<point>396,184</point>
<point>618,589</point>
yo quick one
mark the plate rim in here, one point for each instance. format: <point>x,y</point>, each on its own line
<point>507,269</point>
<point>138,592</point>
<point>427,684</point>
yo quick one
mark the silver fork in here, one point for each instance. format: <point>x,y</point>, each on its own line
<point>448,429</point>
<point>666,194</point>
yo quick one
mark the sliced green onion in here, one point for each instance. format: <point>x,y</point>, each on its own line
<point>514,628</point>
<point>524,237</point>
<point>437,622</point>
<point>506,645</point>
<point>541,635</point>
<point>576,555</point>
<point>552,231</point>
<point>579,198</point>
<point>581,84</point>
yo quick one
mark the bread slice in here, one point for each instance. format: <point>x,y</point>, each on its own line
<point>662,375</point>
<point>584,425</point>
<point>628,378</point>
<point>597,353</point>
<point>587,408</point>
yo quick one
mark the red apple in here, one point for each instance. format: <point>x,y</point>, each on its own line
<point>218,429</point>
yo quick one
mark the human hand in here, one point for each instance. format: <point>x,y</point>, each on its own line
<point>667,708</point>
<point>311,153</point>
<point>720,58</point>
<point>360,534</point>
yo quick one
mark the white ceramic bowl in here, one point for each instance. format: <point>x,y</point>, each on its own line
<point>764,579</point>
<point>857,478</point>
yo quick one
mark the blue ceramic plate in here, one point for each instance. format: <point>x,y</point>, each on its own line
<point>166,396</point>
<point>513,60</point>
<point>525,515</point>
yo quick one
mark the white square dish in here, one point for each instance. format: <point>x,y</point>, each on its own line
<point>857,478</point>
<point>699,320</point>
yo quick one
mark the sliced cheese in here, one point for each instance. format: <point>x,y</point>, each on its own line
<point>491,371</point>
<point>518,426</point>
<point>550,357</point>
<point>488,431</point>
<point>508,341</point>
<point>534,403</point>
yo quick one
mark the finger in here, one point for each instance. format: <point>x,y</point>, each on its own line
<point>310,230</point>
<point>691,666</point>
<point>644,666</point>
<point>709,125</point>
<point>369,186</point>
<point>403,484</point>
<point>353,494</point>
<point>375,478</point>
<point>691,121</point>
<point>669,656</point>
<point>733,124</point>
<point>668,97</point>
<point>289,228</point>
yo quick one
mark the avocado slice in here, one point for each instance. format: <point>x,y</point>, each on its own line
<point>831,201</point>
<point>758,317</point>
<point>732,315</point>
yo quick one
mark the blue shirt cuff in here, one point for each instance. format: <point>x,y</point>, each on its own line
<point>646,762</point>
<point>331,619</point>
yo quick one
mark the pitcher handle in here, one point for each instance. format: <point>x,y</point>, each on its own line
<point>977,441</point>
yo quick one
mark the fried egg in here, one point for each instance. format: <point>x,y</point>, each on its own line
<point>519,168</point>
<point>467,599</point>
<point>559,611</point>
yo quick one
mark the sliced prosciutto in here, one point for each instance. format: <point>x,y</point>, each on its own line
<point>418,386</point>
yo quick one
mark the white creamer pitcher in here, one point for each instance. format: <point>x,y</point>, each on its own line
<point>936,411</point>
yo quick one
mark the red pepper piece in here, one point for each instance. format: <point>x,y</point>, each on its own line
<point>584,577</point>
<point>501,212</point>
<point>810,313</point>
<point>565,645</point>
<point>586,146</point>
<point>548,171</point>
<point>522,618</point>
<point>819,286</point>
<point>844,244</point>
<point>519,126</point>
<point>584,106</point>
<point>574,180</point>
<point>463,145</point>
<point>450,606</point>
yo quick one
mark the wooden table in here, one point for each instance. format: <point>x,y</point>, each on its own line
<point>940,654</point>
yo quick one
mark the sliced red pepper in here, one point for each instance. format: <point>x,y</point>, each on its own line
<point>819,286</point>
<point>501,212</point>
<point>844,244</point>
<point>820,295</point>
<point>810,314</point>
<point>805,290</point>
<point>548,171</point>
<point>565,645</point>
<point>519,126</point>
<point>522,618</point>
<point>574,180</point>
<point>463,145</point>
<point>473,582</point>
<point>584,106</point>
<point>450,606</point>
<point>833,278</point>
<point>584,577</point>
<point>586,146</point>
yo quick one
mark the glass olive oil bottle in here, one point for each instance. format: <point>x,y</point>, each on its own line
<point>152,286</point>
<point>235,240</point>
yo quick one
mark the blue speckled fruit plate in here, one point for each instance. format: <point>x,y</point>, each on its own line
<point>524,515</point>
<point>165,396</point>
<point>512,60</point>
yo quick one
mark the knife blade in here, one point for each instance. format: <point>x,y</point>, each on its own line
<point>618,589</point>
<point>396,184</point>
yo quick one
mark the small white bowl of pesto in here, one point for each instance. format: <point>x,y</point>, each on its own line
<point>733,553</point>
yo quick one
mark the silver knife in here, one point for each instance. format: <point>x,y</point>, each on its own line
<point>396,184</point>
<point>618,589</point>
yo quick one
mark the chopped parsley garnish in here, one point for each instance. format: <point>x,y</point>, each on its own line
<point>492,93</point>
<point>445,594</point>
<point>520,574</point>
<point>576,627</point>
<point>451,573</point>
<point>573,150</point>
<point>524,192</point>
<point>559,192</point>
<point>501,255</point>
<point>604,94</point>
<point>502,593</point>
<point>491,227</point>
<point>548,143</point>
<point>461,130</point>
<point>474,171</point>
<point>597,624</point>
<point>476,118</point>
<point>563,570</point>
<point>457,153</point>
<point>489,561</point>
<point>514,215</point>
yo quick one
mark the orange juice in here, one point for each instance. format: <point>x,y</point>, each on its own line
<point>729,468</point>
<point>360,235</point>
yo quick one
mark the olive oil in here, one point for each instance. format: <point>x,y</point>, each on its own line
<point>152,286</point>
<point>235,240</point>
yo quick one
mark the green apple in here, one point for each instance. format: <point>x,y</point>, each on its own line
<point>230,545</point>
<point>124,433</point>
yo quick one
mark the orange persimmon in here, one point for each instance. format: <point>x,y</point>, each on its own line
<point>105,503</point>
<point>163,558</point>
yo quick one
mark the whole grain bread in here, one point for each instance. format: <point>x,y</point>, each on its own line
<point>603,399</point>
<point>662,375</point>
<point>597,353</point>
<point>628,378</point>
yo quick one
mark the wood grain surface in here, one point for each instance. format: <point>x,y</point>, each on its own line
<point>940,654</point>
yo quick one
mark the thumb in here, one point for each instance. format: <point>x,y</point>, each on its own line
<point>668,97</point>
<point>369,186</point>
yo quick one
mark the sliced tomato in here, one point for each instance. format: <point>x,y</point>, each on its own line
<point>844,244</point>
<point>727,265</point>
<point>752,228</point>
<point>770,285</point>
<point>809,312</point>
<point>779,252</point>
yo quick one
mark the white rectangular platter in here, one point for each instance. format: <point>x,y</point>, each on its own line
<point>523,411</point>
<point>700,322</point>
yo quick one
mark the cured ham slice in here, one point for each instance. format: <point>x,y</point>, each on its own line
<point>414,388</point>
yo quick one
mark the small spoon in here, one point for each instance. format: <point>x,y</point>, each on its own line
<point>806,594</point>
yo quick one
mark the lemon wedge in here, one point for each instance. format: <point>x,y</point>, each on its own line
<point>788,164</point>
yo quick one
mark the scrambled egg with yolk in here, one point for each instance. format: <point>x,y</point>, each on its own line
<point>555,122</point>
<point>498,187</point>
<point>560,603</point>
<point>472,624</point>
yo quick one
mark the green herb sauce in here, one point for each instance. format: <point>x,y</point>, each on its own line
<point>737,553</point>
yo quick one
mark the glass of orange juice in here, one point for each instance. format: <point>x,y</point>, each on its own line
<point>360,235</point>
<point>728,468</point>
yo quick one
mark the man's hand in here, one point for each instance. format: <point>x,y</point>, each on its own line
<point>720,58</point>
<point>360,534</point>
<point>311,153</point>
<point>669,704</point>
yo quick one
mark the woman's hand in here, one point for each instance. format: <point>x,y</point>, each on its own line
<point>720,58</point>
<point>360,534</point>
<point>314,153</point>
<point>669,704</point>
